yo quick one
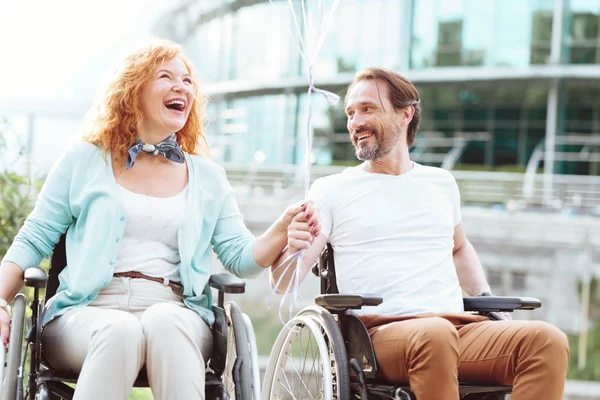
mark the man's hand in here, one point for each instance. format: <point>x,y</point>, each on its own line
<point>506,315</point>
<point>304,227</point>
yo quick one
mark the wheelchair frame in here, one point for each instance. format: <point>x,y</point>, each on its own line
<point>44,383</point>
<point>351,346</point>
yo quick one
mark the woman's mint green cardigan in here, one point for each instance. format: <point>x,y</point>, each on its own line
<point>81,196</point>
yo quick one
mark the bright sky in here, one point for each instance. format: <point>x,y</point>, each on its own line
<point>53,55</point>
<point>58,49</point>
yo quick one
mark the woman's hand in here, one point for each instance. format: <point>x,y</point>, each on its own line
<point>303,227</point>
<point>4,326</point>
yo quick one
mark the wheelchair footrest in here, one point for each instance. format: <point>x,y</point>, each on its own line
<point>403,391</point>
<point>347,301</point>
<point>474,388</point>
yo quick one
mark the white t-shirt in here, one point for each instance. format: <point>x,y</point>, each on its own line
<point>392,235</point>
<point>150,243</point>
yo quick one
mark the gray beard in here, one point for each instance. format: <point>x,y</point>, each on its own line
<point>371,153</point>
<point>377,151</point>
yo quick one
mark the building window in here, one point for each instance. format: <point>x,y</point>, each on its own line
<point>585,24</point>
<point>541,34</point>
<point>449,44</point>
<point>495,279</point>
<point>518,280</point>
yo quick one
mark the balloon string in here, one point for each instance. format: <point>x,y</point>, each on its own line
<point>309,55</point>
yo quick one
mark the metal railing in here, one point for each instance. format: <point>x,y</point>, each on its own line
<point>427,143</point>
<point>576,192</point>
<point>586,154</point>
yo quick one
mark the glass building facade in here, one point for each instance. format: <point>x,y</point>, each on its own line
<point>502,77</point>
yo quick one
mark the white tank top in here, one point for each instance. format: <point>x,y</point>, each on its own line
<point>150,241</point>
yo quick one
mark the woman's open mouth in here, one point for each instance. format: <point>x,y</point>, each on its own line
<point>177,105</point>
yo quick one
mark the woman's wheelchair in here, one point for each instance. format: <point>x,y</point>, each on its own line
<point>232,369</point>
<point>325,352</point>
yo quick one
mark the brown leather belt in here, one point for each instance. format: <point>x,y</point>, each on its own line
<point>175,286</point>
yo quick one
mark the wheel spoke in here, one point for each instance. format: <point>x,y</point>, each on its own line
<point>230,360</point>
<point>304,361</point>
<point>299,376</point>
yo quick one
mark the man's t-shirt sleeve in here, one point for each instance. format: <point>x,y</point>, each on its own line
<point>456,202</point>
<point>321,197</point>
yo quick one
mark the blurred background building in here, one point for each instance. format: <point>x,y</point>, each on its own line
<point>510,103</point>
<point>497,79</point>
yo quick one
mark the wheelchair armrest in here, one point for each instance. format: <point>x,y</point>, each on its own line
<point>347,301</point>
<point>35,277</point>
<point>227,283</point>
<point>500,303</point>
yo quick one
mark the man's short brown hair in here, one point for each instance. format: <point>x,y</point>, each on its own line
<point>402,94</point>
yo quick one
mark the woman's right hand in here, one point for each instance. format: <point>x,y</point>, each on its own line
<point>4,326</point>
<point>11,281</point>
<point>303,228</point>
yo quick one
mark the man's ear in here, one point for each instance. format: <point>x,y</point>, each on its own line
<point>406,115</point>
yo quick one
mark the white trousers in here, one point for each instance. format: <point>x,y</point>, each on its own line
<point>132,322</point>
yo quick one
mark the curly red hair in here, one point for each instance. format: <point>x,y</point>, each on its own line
<point>115,120</point>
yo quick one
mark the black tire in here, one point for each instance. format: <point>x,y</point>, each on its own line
<point>238,365</point>
<point>254,363</point>
<point>15,347</point>
<point>337,348</point>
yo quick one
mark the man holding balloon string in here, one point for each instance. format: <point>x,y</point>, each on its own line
<point>395,228</point>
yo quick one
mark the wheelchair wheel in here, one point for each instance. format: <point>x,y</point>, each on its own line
<point>43,392</point>
<point>253,356</point>
<point>10,387</point>
<point>308,360</point>
<point>238,370</point>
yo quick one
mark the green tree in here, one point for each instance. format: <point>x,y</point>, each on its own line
<point>591,372</point>
<point>15,199</point>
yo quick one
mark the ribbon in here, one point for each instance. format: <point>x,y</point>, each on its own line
<point>309,48</point>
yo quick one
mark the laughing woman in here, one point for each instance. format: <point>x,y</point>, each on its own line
<point>141,206</point>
